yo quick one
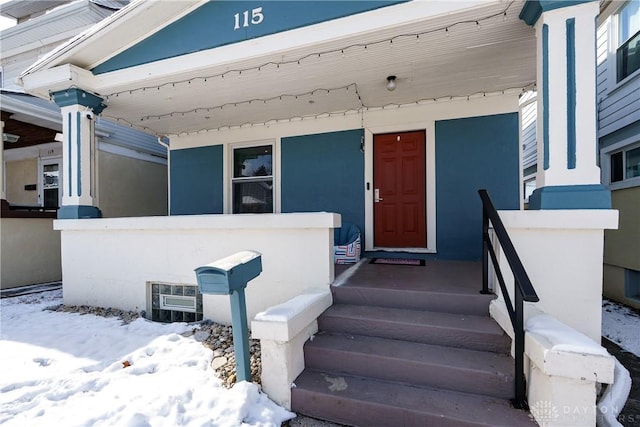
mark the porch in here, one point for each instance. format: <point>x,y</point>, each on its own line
<point>422,345</point>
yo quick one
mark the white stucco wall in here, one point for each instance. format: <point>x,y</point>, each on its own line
<point>29,252</point>
<point>562,251</point>
<point>108,262</point>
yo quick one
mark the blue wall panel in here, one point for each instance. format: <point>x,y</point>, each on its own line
<point>473,153</point>
<point>197,181</point>
<point>324,172</point>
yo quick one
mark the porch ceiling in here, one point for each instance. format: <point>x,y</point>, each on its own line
<point>485,49</point>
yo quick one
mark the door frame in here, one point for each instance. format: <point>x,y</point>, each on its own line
<point>42,161</point>
<point>430,163</point>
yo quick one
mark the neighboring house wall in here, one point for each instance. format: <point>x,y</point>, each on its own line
<point>622,249</point>
<point>622,246</point>
<point>131,187</point>
<point>19,174</point>
<point>29,252</point>
<point>35,36</point>
<point>12,66</point>
<point>129,183</point>
<point>619,132</point>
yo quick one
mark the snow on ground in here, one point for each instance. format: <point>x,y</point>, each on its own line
<point>621,325</point>
<point>68,369</point>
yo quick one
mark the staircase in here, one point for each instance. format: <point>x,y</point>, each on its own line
<point>409,346</point>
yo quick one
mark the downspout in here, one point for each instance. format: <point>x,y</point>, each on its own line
<point>166,146</point>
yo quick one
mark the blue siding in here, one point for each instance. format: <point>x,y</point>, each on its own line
<point>197,181</point>
<point>473,153</point>
<point>618,102</point>
<point>631,131</point>
<point>324,172</point>
<point>571,93</point>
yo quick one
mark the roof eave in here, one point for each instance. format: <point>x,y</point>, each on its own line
<point>114,23</point>
<point>42,82</point>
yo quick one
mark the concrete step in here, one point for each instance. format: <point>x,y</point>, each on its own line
<point>364,402</point>
<point>444,329</point>
<point>471,302</point>
<point>457,369</point>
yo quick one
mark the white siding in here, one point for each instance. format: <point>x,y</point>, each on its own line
<point>528,115</point>
<point>14,65</point>
<point>602,52</point>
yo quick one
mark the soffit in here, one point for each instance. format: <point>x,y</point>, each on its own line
<point>21,8</point>
<point>469,59</point>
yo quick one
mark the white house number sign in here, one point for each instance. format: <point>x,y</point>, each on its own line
<point>243,20</point>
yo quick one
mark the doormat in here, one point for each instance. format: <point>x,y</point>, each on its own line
<point>397,261</point>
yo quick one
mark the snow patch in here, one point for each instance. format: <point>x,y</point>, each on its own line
<point>614,398</point>
<point>562,337</point>
<point>59,368</point>
<point>289,309</point>
<point>621,325</point>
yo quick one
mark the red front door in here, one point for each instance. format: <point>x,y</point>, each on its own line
<point>399,190</point>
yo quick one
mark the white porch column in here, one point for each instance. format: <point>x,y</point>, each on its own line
<point>568,175</point>
<point>3,191</point>
<point>78,150</point>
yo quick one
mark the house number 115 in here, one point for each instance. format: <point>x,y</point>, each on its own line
<point>242,19</point>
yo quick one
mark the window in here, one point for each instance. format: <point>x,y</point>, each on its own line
<point>174,303</point>
<point>50,185</point>
<point>252,180</point>
<point>632,284</point>
<point>625,164</point>
<point>628,52</point>
<point>529,185</point>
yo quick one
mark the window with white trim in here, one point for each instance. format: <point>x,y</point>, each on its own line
<point>252,179</point>
<point>628,46</point>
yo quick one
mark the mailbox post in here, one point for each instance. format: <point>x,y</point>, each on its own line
<point>229,276</point>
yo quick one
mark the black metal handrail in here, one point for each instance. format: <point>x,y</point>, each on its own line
<point>523,291</point>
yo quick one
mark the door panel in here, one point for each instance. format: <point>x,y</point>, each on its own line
<point>399,177</point>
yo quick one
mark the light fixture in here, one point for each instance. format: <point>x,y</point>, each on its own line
<point>391,83</point>
<point>9,137</point>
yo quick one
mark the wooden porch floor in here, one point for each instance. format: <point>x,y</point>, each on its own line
<point>462,277</point>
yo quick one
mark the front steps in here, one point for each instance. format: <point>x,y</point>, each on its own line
<point>407,354</point>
